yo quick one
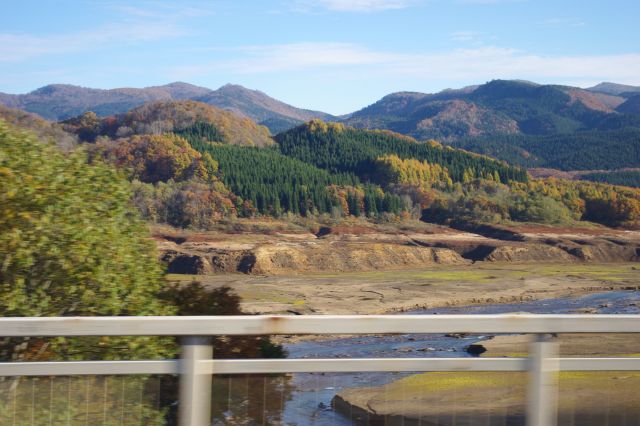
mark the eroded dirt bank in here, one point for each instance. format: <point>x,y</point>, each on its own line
<point>367,249</point>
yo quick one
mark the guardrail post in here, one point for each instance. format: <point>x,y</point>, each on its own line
<point>194,402</point>
<point>542,393</point>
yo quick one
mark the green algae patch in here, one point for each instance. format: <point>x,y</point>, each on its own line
<point>585,398</point>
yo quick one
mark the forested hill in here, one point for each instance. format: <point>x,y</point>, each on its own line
<point>524,123</point>
<point>327,167</point>
<point>170,117</point>
<point>339,148</point>
<point>591,150</point>
<point>190,167</point>
<point>496,108</point>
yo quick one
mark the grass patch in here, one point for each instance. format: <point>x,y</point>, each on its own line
<point>184,277</point>
<point>479,382</point>
<point>493,272</point>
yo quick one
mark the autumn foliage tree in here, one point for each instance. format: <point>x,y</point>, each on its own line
<point>158,158</point>
<point>172,182</point>
<point>392,169</point>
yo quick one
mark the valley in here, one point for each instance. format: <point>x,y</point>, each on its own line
<point>180,180</point>
<point>247,206</point>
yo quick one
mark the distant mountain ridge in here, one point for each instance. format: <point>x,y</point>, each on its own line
<point>499,107</point>
<point>276,115</point>
<point>496,108</point>
<point>62,101</point>
<point>614,88</point>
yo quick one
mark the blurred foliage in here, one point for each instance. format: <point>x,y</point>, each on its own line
<point>195,299</point>
<point>71,245</point>
<point>43,129</point>
<point>249,404</point>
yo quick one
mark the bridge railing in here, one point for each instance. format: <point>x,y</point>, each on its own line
<point>196,365</point>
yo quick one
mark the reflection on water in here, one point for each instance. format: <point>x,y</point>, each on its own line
<point>249,400</point>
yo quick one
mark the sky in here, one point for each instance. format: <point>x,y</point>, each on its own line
<point>331,55</point>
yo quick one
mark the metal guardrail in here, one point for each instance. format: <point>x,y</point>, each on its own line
<point>196,365</point>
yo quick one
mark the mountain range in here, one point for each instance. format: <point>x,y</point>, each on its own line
<point>59,102</point>
<point>522,122</point>
<point>501,107</point>
<point>497,107</point>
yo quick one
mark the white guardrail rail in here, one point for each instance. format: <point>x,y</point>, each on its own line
<point>196,365</point>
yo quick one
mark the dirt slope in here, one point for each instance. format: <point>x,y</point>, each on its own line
<point>357,250</point>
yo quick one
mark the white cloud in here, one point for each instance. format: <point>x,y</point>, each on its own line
<point>305,55</point>
<point>159,10</point>
<point>465,36</point>
<point>475,64</point>
<point>21,47</point>
<point>565,22</point>
<point>146,21</point>
<point>352,5</point>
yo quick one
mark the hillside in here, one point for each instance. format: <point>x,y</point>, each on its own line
<point>344,149</point>
<point>631,105</point>
<point>62,101</point>
<point>167,117</point>
<point>591,150</point>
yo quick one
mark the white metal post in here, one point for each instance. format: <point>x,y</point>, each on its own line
<point>543,375</point>
<point>195,382</point>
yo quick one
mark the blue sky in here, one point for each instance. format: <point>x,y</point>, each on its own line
<point>332,55</point>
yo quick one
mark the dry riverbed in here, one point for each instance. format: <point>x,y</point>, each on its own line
<point>436,286</point>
